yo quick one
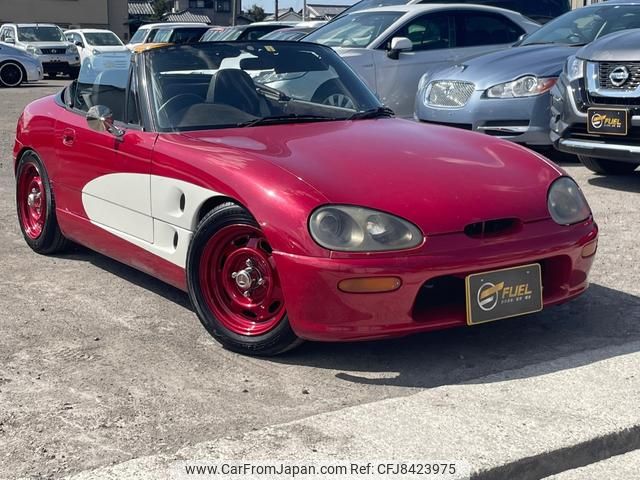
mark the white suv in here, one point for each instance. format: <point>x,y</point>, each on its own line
<point>48,43</point>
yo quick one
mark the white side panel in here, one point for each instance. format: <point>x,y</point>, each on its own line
<point>106,214</point>
<point>157,214</point>
<point>177,202</point>
<point>130,190</point>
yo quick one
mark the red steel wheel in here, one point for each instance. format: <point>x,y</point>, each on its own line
<point>240,282</point>
<point>32,201</point>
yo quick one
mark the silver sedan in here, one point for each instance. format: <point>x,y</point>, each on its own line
<point>18,66</point>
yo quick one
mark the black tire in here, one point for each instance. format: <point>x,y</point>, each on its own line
<point>11,74</point>
<point>51,240</point>
<point>603,166</point>
<point>73,73</point>
<point>277,340</point>
<point>331,93</point>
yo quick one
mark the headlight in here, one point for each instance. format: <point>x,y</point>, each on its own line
<point>357,229</point>
<point>566,202</point>
<point>574,68</point>
<point>72,49</point>
<point>527,86</point>
<point>33,50</point>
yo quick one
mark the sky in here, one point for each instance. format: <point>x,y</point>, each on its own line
<point>269,5</point>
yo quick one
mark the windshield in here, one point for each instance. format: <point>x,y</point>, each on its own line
<point>138,37</point>
<point>367,4</point>
<point>230,34</point>
<point>286,34</point>
<point>40,34</point>
<point>213,34</point>
<point>102,39</point>
<point>585,25</point>
<point>355,30</point>
<point>219,85</point>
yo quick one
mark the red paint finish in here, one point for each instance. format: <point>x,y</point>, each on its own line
<point>439,179</point>
<point>32,201</point>
<point>240,281</point>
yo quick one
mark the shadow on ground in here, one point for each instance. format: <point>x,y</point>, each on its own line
<point>601,318</point>
<point>623,183</point>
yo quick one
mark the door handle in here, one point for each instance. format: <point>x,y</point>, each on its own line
<point>68,136</point>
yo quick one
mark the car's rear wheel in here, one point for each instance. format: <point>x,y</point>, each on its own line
<point>607,167</point>
<point>36,206</point>
<point>11,74</point>
<point>234,284</point>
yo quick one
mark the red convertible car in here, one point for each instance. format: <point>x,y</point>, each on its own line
<point>218,169</point>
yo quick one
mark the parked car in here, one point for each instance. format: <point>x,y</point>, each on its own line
<point>295,33</point>
<point>595,110</point>
<point>540,11</point>
<point>506,94</point>
<point>391,47</point>
<point>18,66</point>
<point>287,219</point>
<point>101,48</point>
<point>168,32</point>
<point>253,31</point>
<point>46,41</point>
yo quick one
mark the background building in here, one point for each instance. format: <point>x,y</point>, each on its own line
<point>219,12</point>
<point>317,11</point>
<point>111,14</point>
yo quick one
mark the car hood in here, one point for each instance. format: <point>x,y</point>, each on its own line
<point>506,65</point>
<point>48,44</point>
<point>439,178</point>
<point>111,49</point>
<point>616,47</point>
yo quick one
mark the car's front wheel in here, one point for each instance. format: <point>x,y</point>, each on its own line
<point>11,74</point>
<point>234,284</point>
<point>36,206</point>
<point>607,167</point>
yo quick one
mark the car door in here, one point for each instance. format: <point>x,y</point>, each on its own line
<point>432,39</point>
<point>102,177</point>
<point>479,32</point>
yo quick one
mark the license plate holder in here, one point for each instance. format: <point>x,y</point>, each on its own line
<point>505,293</point>
<point>608,121</point>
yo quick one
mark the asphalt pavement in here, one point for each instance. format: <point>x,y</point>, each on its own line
<point>106,372</point>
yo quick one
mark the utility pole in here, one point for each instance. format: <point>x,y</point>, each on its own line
<point>234,12</point>
<point>304,10</point>
<point>277,10</point>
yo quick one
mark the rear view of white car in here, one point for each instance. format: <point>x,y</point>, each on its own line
<point>392,47</point>
<point>101,49</point>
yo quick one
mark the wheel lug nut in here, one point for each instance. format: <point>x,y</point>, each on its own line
<point>246,294</point>
<point>249,262</point>
<point>234,275</point>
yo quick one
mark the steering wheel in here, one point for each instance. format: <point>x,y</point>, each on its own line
<point>180,97</point>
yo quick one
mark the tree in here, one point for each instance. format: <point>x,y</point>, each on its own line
<point>161,7</point>
<point>257,13</point>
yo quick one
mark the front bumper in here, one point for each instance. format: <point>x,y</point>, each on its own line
<point>432,295</point>
<point>521,120</point>
<point>34,71</point>
<point>569,105</point>
<point>65,64</point>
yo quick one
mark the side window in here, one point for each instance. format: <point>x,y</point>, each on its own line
<point>152,35</point>
<point>478,28</point>
<point>107,87</point>
<point>428,32</point>
<point>3,34</point>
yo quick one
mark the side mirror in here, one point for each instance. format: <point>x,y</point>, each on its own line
<point>100,119</point>
<point>399,44</point>
<point>78,43</point>
<point>10,40</point>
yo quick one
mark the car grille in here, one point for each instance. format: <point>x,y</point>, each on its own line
<point>605,69</point>
<point>53,51</point>
<point>450,93</point>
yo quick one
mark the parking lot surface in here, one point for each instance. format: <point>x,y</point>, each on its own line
<point>101,364</point>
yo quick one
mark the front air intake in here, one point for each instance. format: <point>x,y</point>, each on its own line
<point>492,228</point>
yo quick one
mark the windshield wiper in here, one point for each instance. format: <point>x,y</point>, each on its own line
<point>290,118</point>
<point>372,113</point>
